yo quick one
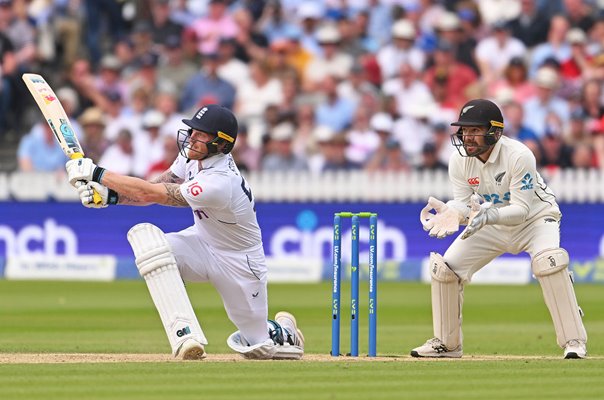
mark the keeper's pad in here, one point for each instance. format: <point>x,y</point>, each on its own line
<point>550,268</point>
<point>157,265</point>
<point>447,299</point>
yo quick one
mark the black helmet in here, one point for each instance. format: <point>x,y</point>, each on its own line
<point>216,120</point>
<point>479,112</point>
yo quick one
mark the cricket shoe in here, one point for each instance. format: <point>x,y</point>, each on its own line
<point>191,349</point>
<point>288,323</point>
<point>575,349</point>
<point>436,349</point>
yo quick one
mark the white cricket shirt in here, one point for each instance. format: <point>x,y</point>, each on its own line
<point>222,202</point>
<point>509,179</point>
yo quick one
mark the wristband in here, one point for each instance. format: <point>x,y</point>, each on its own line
<point>97,174</point>
<point>112,197</point>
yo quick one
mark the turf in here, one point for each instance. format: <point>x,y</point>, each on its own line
<point>119,317</point>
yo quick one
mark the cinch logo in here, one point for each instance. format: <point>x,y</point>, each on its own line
<point>184,331</point>
<point>47,240</point>
<point>474,181</point>
<point>309,240</point>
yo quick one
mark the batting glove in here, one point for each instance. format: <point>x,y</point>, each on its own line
<point>83,169</point>
<point>86,192</point>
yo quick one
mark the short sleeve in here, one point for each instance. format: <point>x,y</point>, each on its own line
<point>207,192</point>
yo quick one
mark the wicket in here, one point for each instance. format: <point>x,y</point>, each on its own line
<point>354,283</point>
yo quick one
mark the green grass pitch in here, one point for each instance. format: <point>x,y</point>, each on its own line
<point>509,346</point>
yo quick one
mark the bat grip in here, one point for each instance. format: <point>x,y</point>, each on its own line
<point>96,197</point>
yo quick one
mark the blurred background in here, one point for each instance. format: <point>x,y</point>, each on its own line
<point>343,106</point>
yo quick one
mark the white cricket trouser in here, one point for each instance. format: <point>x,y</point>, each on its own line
<point>466,257</point>
<point>240,278</point>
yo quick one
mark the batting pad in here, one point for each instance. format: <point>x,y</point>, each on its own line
<point>447,299</point>
<point>550,268</point>
<point>157,265</point>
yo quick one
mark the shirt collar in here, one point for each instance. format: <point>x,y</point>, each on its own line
<point>495,153</point>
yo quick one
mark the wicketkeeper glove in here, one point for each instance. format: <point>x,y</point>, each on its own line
<point>480,215</point>
<point>444,222</point>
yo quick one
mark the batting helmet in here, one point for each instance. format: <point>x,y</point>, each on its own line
<point>215,120</point>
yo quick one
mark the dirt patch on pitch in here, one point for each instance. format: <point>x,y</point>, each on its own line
<point>75,358</point>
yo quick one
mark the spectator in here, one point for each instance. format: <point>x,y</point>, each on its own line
<point>449,28</point>
<point>309,15</point>
<point>40,151</point>
<point>93,138</point>
<point>362,135</point>
<point>580,63</point>
<point>455,78</point>
<point>414,129</point>
<point>149,144</point>
<point>334,111</point>
<point>387,155</point>
<point>531,25</point>
<point>576,132</point>
<point>538,108</point>
<point>406,88</point>
<point>430,160</point>
<point>162,26</point>
<point>166,102</point>
<point>254,96</point>
<point>217,24</point>
<point>120,155</point>
<point>555,154</point>
<point>356,85</point>
<point>400,50</point>
<point>583,156</point>
<point>515,81</point>
<point>332,151</point>
<point>556,45</point>
<point>250,43</point>
<point>280,155</point>
<point>8,66</point>
<point>304,143</point>
<point>332,60</point>
<point>513,114</point>
<point>109,77</point>
<point>506,47</point>
<point>246,157</point>
<point>580,14</point>
<point>170,152</point>
<point>206,87</point>
<point>101,15</point>
<point>174,67</point>
<point>231,69</point>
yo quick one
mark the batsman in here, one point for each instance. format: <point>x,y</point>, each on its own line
<point>223,246</point>
<point>508,208</point>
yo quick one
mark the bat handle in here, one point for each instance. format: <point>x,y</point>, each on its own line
<point>96,197</point>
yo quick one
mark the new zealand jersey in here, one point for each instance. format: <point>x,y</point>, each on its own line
<point>508,178</point>
<point>222,203</point>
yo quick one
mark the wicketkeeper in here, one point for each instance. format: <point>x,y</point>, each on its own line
<point>223,246</point>
<point>508,208</point>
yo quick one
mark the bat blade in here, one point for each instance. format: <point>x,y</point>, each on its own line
<point>56,117</point>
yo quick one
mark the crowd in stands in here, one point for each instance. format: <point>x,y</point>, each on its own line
<point>316,85</point>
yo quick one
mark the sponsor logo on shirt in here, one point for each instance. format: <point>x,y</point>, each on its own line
<point>474,181</point>
<point>194,189</point>
<point>527,182</point>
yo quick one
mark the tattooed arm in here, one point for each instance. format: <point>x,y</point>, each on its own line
<point>165,189</point>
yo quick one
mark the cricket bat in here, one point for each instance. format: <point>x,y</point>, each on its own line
<point>57,119</point>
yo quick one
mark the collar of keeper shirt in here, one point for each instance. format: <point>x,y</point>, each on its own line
<point>495,153</point>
